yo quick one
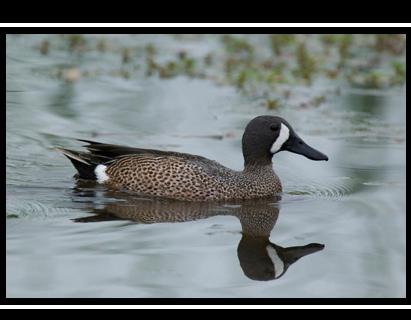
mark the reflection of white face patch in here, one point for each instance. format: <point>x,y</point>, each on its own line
<point>282,137</point>
<point>100,172</point>
<point>277,262</point>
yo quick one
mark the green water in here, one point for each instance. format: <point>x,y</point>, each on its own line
<point>66,239</point>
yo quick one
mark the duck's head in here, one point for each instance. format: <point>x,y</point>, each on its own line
<point>262,260</point>
<point>264,136</point>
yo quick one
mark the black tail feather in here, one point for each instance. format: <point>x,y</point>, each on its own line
<point>112,150</point>
<point>85,163</point>
<point>89,141</point>
<point>85,171</point>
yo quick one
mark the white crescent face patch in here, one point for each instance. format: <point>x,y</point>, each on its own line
<point>281,139</point>
<point>277,262</point>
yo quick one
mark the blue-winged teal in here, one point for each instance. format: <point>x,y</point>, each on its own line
<point>190,177</point>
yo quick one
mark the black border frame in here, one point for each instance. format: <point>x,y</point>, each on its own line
<point>196,301</point>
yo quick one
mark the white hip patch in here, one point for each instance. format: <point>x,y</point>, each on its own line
<point>282,137</point>
<point>277,262</point>
<point>101,174</point>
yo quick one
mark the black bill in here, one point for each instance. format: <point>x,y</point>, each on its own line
<point>292,254</point>
<point>297,145</point>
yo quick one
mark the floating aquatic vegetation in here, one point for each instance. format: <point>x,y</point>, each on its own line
<point>371,80</point>
<point>76,42</point>
<point>391,43</point>
<point>306,65</point>
<point>121,73</point>
<point>344,46</point>
<point>102,45</point>
<point>125,55</point>
<point>318,100</point>
<point>280,41</point>
<point>258,65</point>
<point>208,59</point>
<point>44,47</point>
<point>187,64</point>
<point>272,103</point>
<point>331,73</point>
<point>329,40</point>
<point>150,50</point>
<point>399,75</point>
<point>238,47</point>
<point>168,70</point>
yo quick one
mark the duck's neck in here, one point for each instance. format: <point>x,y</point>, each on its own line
<point>258,168</point>
<point>255,153</point>
<point>254,161</point>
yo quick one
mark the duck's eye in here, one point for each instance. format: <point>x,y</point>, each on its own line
<point>274,127</point>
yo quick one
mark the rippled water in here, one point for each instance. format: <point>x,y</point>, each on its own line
<point>344,218</point>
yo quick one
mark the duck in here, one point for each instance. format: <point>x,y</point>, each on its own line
<point>188,177</point>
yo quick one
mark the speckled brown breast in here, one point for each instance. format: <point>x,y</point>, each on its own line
<point>191,179</point>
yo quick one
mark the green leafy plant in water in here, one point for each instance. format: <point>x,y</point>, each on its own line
<point>399,73</point>
<point>122,73</point>
<point>76,42</point>
<point>183,65</point>
<point>189,66</point>
<point>318,100</point>
<point>238,47</point>
<point>373,79</point>
<point>273,76</point>
<point>151,66</point>
<point>306,65</point>
<point>125,55</point>
<point>391,43</point>
<point>186,64</point>
<point>169,70</point>
<point>44,47</point>
<point>208,59</point>
<point>332,73</point>
<point>329,39</point>
<point>272,104</point>
<point>230,64</point>
<point>242,68</point>
<point>182,55</point>
<point>279,41</point>
<point>344,47</point>
<point>150,50</point>
<point>246,75</point>
<point>102,45</point>
<point>241,79</point>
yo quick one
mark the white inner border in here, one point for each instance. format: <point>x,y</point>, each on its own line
<point>199,25</point>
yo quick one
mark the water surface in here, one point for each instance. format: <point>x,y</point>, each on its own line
<point>344,219</point>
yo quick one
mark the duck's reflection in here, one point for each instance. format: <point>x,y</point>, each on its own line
<point>259,258</point>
